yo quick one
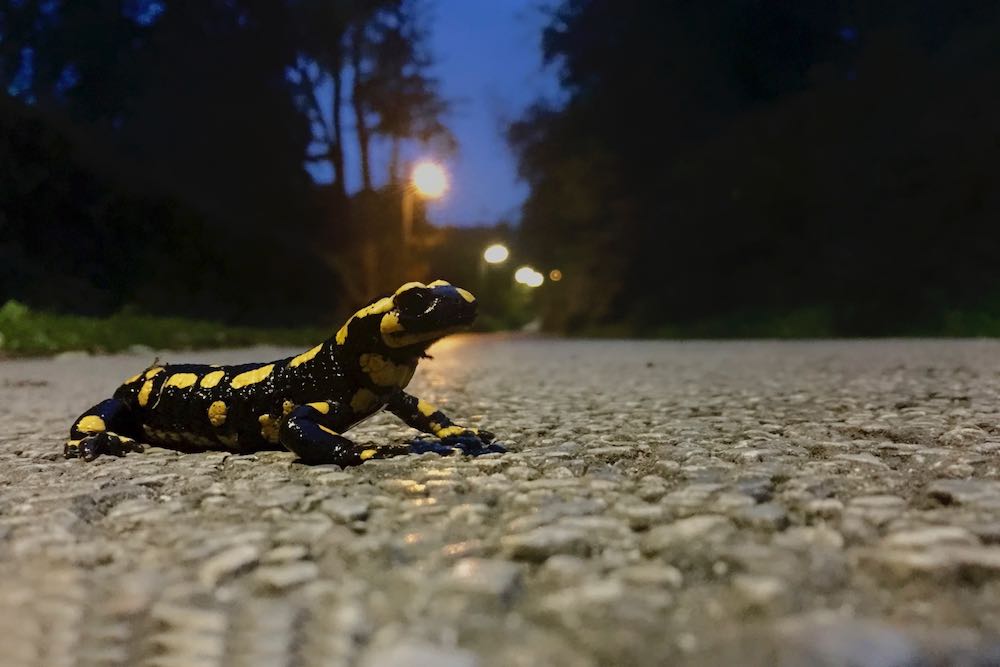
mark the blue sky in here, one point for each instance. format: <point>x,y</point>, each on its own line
<point>488,62</point>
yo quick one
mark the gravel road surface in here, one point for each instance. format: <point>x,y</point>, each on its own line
<point>829,503</point>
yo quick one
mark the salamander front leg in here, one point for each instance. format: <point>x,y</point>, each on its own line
<point>312,431</point>
<point>425,417</point>
<point>107,428</point>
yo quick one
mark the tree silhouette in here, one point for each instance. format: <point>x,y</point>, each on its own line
<point>742,168</point>
<point>321,28</point>
<point>393,95</point>
<point>214,105</point>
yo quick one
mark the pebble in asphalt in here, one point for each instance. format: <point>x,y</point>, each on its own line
<point>827,503</point>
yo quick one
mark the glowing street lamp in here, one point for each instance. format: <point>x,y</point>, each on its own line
<point>428,180</point>
<point>529,277</point>
<point>496,254</point>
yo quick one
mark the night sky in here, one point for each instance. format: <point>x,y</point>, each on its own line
<point>489,55</point>
<point>488,61</point>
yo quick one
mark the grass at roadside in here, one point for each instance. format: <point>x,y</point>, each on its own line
<point>25,332</point>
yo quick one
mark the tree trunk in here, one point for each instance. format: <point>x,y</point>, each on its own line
<point>394,176</point>
<point>358,101</point>
<point>337,149</point>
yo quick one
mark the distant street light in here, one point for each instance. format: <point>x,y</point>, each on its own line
<point>555,275</point>
<point>428,180</point>
<point>496,254</point>
<point>529,277</point>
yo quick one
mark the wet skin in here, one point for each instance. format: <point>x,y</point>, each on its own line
<point>303,403</point>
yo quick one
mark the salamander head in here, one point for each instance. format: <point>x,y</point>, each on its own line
<point>406,323</point>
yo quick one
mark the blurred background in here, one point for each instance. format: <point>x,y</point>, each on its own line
<point>671,168</point>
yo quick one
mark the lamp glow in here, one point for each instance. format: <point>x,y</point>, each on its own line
<point>496,254</point>
<point>429,179</point>
<point>529,277</point>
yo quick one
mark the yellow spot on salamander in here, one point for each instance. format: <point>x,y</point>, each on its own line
<point>451,430</point>
<point>384,372</point>
<point>217,413</point>
<point>383,305</point>
<point>181,380</point>
<point>322,406</point>
<point>252,377</point>
<point>409,286</point>
<point>147,389</point>
<point>465,294</point>
<point>268,428</point>
<point>286,407</point>
<point>363,400</point>
<point>367,454</point>
<point>327,430</point>
<point>390,323</point>
<point>153,371</point>
<point>91,424</point>
<point>425,408</point>
<point>134,378</point>
<point>305,356</point>
<point>212,379</point>
<point>439,283</point>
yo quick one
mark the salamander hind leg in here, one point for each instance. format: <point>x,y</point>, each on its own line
<point>107,428</point>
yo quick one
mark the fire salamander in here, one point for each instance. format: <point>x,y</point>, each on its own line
<point>303,403</point>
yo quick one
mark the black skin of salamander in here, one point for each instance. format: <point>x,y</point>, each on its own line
<point>303,403</point>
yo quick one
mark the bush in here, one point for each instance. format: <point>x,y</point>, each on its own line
<point>24,331</point>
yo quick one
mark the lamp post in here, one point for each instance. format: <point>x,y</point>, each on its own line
<point>428,180</point>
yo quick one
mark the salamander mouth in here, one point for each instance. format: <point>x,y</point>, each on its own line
<point>403,339</point>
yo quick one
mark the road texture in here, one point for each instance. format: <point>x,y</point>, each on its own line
<point>829,503</point>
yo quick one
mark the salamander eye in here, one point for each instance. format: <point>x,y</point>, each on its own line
<point>414,300</point>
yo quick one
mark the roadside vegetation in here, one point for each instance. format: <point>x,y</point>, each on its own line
<point>747,169</point>
<point>26,332</point>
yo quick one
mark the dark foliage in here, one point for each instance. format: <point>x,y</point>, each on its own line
<point>738,167</point>
<point>154,154</point>
<point>79,242</point>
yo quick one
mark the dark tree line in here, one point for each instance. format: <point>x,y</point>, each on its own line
<point>202,114</point>
<point>740,167</point>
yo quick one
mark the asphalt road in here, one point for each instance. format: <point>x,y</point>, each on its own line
<point>830,503</point>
